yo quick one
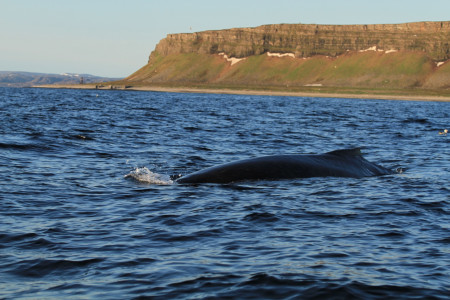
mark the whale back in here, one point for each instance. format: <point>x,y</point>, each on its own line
<point>346,152</point>
<point>338,163</point>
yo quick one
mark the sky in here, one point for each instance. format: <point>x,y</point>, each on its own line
<point>114,38</point>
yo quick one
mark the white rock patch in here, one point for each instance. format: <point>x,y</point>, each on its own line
<point>233,60</point>
<point>281,54</point>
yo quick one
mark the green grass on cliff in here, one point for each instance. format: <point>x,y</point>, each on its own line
<point>189,67</point>
<point>440,78</point>
<point>354,69</point>
<point>274,70</point>
<point>379,69</point>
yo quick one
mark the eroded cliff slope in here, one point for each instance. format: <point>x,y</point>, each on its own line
<point>394,55</point>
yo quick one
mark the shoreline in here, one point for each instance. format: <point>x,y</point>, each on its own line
<point>255,92</point>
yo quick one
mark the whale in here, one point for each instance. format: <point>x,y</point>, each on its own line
<point>338,163</point>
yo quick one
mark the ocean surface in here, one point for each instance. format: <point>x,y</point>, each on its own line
<point>88,210</point>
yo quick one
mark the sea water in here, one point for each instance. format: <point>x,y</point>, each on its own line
<point>88,208</point>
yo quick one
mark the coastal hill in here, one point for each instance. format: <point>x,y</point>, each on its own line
<point>390,56</point>
<point>29,79</point>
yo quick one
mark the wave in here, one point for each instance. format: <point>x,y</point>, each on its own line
<point>144,175</point>
<point>24,147</point>
<point>416,120</point>
<point>42,267</point>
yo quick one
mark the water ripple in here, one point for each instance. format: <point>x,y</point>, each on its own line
<point>82,217</point>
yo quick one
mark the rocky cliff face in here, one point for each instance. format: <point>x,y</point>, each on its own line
<point>309,40</point>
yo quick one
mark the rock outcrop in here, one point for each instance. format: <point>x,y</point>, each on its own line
<point>308,40</point>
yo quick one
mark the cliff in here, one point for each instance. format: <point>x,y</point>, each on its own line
<point>392,55</point>
<point>308,40</point>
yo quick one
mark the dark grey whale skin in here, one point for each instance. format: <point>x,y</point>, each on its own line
<point>338,163</point>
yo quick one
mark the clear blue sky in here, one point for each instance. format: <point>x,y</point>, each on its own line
<point>115,37</point>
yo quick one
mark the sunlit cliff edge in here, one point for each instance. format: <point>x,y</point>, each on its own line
<point>391,56</point>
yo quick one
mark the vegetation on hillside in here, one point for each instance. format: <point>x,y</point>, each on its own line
<point>370,69</point>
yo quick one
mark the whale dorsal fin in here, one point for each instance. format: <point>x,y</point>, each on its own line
<point>346,152</point>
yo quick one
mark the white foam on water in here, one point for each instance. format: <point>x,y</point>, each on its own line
<point>146,176</point>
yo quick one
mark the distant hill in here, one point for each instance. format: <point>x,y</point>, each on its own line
<point>28,79</point>
<point>386,56</point>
